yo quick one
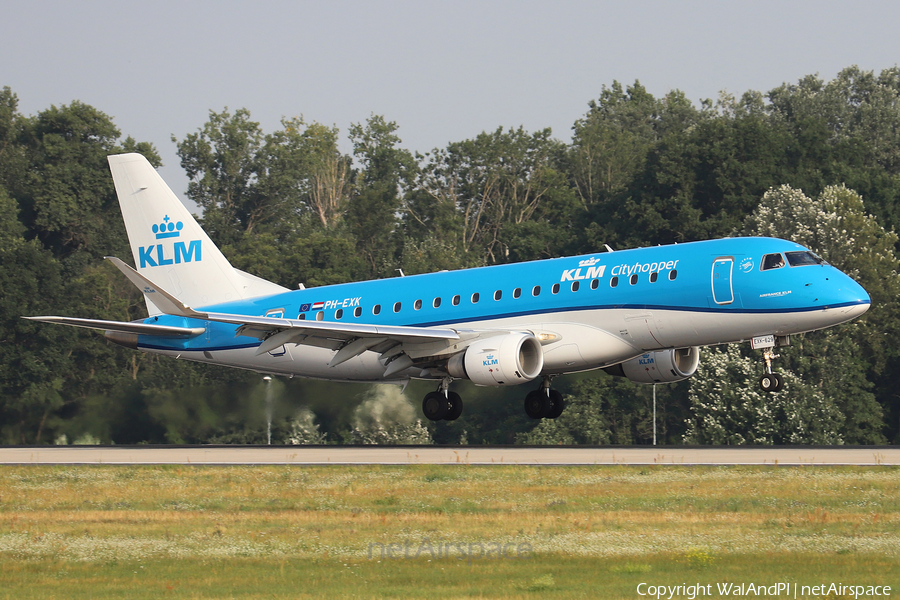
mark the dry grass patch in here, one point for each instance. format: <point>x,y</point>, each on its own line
<point>602,524</point>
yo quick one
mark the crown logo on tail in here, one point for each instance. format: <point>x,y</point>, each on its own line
<point>167,229</point>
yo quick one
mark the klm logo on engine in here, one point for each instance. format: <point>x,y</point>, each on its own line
<point>490,361</point>
<point>646,359</point>
<point>157,255</point>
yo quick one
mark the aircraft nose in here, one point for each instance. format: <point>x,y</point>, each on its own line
<point>854,298</point>
<point>851,312</point>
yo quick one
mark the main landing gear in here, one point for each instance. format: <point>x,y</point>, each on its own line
<point>442,405</point>
<point>770,381</point>
<point>544,402</point>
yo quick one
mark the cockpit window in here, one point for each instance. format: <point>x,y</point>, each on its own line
<point>801,259</point>
<point>772,261</point>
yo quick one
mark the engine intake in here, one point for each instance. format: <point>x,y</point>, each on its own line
<point>662,366</point>
<point>508,359</point>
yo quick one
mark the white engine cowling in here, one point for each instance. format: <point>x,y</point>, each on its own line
<point>500,360</point>
<point>662,366</point>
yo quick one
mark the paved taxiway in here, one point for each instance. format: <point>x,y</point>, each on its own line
<point>473,455</point>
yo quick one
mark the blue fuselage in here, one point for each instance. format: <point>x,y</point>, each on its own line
<point>673,296</point>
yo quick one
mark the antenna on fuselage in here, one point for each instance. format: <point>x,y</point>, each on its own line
<point>401,272</point>
<point>608,249</point>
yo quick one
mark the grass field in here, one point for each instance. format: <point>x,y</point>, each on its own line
<point>484,532</point>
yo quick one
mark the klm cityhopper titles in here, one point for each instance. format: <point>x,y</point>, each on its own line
<point>641,314</point>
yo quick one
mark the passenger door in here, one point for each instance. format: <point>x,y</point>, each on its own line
<point>722,288</point>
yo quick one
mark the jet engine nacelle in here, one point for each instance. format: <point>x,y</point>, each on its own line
<point>662,366</point>
<point>507,359</point>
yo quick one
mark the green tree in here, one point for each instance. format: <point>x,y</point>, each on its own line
<point>303,162</point>
<point>837,227</point>
<point>582,422</point>
<point>58,216</point>
<point>385,170</point>
<point>223,163</point>
<point>488,195</point>
<point>611,410</point>
<point>611,142</point>
<point>702,178</point>
<point>846,130</point>
<point>66,197</point>
<point>728,408</point>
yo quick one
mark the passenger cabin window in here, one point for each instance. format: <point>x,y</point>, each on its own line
<point>575,286</point>
<point>320,316</point>
<point>357,312</point>
<point>614,282</point>
<point>555,288</point>
<point>498,294</point>
<point>517,292</point>
<point>595,283</point>
<point>475,298</point>
<point>417,304</point>
<point>536,291</point>
<point>772,261</point>
<point>396,307</point>
<point>376,309</point>
<point>673,274</point>
<point>802,259</point>
<point>456,300</point>
<point>302,316</point>
<point>339,314</point>
<point>634,279</point>
<point>436,303</point>
<point>654,276</point>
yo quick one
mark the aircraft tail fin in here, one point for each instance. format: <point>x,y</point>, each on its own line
<point>168,244</point>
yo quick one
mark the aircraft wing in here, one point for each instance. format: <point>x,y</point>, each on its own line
<point>135,327</point>
<point>349,339</point>
<point>394,343</point>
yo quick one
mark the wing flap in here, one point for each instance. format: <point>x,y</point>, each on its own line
<point>262,327</point>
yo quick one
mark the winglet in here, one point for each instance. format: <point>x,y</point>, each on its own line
<point>163,300</point>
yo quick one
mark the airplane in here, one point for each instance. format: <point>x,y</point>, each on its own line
<point>641,313</point>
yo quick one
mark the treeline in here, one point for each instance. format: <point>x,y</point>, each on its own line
<point>289,206</point>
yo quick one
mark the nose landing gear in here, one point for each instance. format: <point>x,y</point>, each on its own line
<point>770,381</point>
<point>544,402</point>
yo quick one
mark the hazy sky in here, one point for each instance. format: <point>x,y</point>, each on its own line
<point>444,71</point>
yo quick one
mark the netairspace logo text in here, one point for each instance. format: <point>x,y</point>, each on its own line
<point>783,589</point>
<point>442,549</point>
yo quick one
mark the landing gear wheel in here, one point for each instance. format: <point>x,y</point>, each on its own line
<point>779,382</point>
<point>436,407</point>
<point>537,404</point>
<point>454,406</point>
<point>558,405</point>
<point>769,382</point>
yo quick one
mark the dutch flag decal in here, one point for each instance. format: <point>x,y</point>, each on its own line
<point>318,306</point>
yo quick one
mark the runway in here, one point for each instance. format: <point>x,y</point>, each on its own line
<point>444,455</point>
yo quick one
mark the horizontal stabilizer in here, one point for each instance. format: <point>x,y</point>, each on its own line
<point>138,328</point>
<point>163,300</point>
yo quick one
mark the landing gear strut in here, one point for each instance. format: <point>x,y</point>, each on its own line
<point>442,404</point>
<point>544,402</point>
<point>770,381</point>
